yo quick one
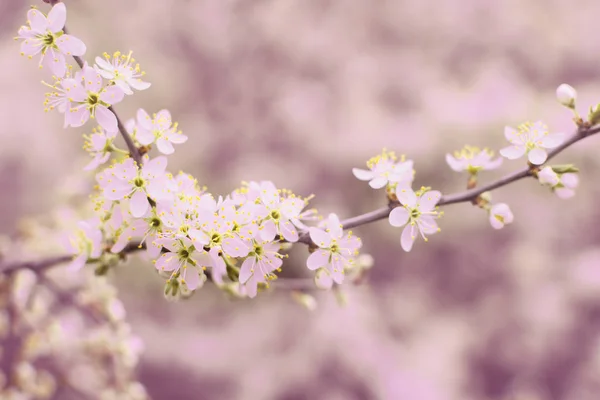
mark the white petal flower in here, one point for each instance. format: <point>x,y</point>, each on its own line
<point>500,215</point>
<point>417,214</point>
<point>531,139</point>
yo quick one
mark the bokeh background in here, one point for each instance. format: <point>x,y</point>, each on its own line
<point>299,92</point>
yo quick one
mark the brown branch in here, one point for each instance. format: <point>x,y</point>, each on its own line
<point>465,196</point>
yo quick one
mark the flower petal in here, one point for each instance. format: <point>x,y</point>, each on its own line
<point>320,237</point>
<point>362,174</point>
<point>57,17</point>
<point>71,46</point>
<point>138,204</point>
<point>513,152</point>
<point>399,216</point>
<point>553,140</point>
<point>409,234</point>
<point>317,259</point>
<point>537,156</point>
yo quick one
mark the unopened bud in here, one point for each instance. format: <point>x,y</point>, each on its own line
<point>365,261</point>
<point>565,168</point>
<point>548,176</point>
<point>305,300</point>
<point>566,95</point>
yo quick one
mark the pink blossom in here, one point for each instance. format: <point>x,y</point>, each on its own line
<point>262,260</point>
<point>384,169</point>
<point>417,214</point>
<point>93,100</point>
<point>85,243</point>
<point>120,70</point>
<point>45,35</point>
<point>473,160</point>
<point>160,129</point>
<point>180,259</point>
<point>99,145</point>
<point>531,139</point>
<point>127,180</point>
<point>274,220</point>
<point>336,251</point>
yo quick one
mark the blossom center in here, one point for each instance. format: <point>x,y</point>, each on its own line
<point>48,39</point>
<point>155,222</point>
<point>93,99</point>
<point>415,213</point>
<point>215,238</point>
<point>275,215</point>
<point>139,182</point>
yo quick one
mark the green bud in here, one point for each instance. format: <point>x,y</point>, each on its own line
<point>564,168</point>
<point>594,115</point>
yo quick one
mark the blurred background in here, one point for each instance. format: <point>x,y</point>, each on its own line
<point>299,92</point>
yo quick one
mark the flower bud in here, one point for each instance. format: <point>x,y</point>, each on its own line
<point>365,261</point>
<point>500,215</point>
<point>305,300</point>
<point>566,95</point>
<point>565,168</point>
<point>548,176</point>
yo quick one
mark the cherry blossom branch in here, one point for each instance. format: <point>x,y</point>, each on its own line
<point>465,196</point>
<point>363,219</point>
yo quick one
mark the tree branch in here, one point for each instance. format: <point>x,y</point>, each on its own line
<point>363,219</point>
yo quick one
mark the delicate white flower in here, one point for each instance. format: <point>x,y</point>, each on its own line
<point>418,212</point>
<point>120,69</point>
<point>531,139</point>
<point>566,95</point>
<point>500,215</point>
<point>159,128</point>
<point>336,251</point>
<point>473,159</point>
<point>566,188</point>
<point>385,169</point>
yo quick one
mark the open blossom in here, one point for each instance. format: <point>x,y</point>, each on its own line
<point>45,35</point>
<point>263,259</point>
<point>127,180</point>
<point>531,139</point>
<point>60,97</point>
<point>92,99</point>
<point>500,215</point>
<point>99,145</point>
<point>180,259</point>
<point>385,169</point>
<point>85,243</point>
<point>473,159</point>
<point>159,128</point>
<point>417,214</point>
<point>336,251</point>
<point>271,211</point>
<point>120,70</point>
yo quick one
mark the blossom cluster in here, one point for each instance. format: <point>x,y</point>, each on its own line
<point>190,235</point>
